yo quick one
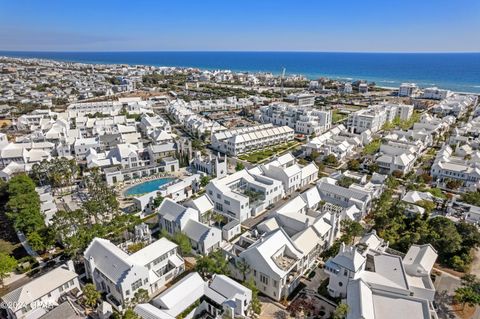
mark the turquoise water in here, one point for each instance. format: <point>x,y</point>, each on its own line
<point>455,71</point>
<point>147,187</point>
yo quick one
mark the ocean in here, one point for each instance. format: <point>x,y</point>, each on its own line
<point>455,71</point>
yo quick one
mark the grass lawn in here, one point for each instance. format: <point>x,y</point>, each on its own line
<point>258,156</point>
<point>337,116</point>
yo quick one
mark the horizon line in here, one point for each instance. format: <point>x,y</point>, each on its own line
<point>238,51</point>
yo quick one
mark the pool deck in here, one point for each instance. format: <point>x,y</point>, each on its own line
<point>121,187</point>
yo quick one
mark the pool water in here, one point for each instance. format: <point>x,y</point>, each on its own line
<point>147,187</point>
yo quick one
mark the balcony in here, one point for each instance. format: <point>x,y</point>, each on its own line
<point>114,302</point>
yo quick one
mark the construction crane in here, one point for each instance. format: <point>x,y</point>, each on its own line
<point>281,82</point>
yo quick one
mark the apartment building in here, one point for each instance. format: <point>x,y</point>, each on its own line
<point>37,297</point>
<point>174,218</point>
<point>303,120</point>
<point>211,165</point>
<point>345,197</point>
<point>375,116</point>
<point>377,284</point>
<point>302,99</point>
<point>435,93</point>
<point>243,194</point>
<point>447,166</point>
<point>222,297</point>
<point>292,175</point>
<point>247,139</point>
<point>408,90</point>
<point>120,275</point>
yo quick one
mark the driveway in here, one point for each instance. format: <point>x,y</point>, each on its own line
<point>445,284</point>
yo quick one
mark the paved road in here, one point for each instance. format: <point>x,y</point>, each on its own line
<point>445,284</point>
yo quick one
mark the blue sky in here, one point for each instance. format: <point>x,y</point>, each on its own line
<point>240,25</point>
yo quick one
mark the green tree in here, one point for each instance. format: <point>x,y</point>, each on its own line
<point>443,235</point>
<point>472,198</point>
<point>429,206</point>
<point>345,181</point>
<point>205,180</point>
<point>7,265</point>
<point>183,243</point>
<point>244,268</point>
<point>141,296</point>
<point>353,165</point>
<point>351,229</point>
<point>256,305</point>
<point>467,295</point>
<point>102,201</point>
<point>217,218</point>
<point>341,311</point>
<point>453,184</point>
<point>36,241</point>
<point>215,263</point>
<point>197,144</point>
<point>91,295</point>
<point>157,201</point>
<point>239,166</point>
<point>330,159</point>
<point>130,314</point>
<point>469,233</point>
<point>23,205</point>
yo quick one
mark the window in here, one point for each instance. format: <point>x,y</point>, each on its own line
<point>345,272</point>
<point>264,279</point>
<point>137,284</point>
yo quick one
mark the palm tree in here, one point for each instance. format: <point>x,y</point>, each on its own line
<point>244,268</point>
<point>91,295</point>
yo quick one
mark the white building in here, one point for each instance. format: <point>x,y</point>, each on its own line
<point>354,195</point>
<point>212,165</point>
<point>174,218</point>
<point>37,297</point>
<point>120,275</point>
<point>408,90</point>
<point>130,105</point>
<point>372,118</point>
<point>302,99</point>
<point>220,298</point>
<point>338,142</point>
<point>302,119</point>
<point>243,194</point>
<point>276,263</point>
<point>447,166</point>
<point>435,93</point>
<point>292,175</point>
<point>397,156</point>
<point>377,284</point>
<point>247,139</point>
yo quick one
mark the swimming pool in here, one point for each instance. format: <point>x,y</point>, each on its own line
<point>147,187</point>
